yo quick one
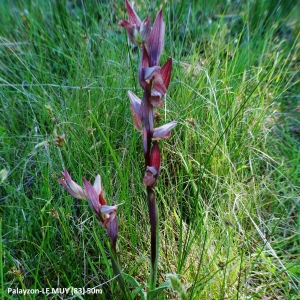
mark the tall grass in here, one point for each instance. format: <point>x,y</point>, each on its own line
<point>228,194</point>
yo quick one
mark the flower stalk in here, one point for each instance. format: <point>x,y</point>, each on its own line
<point>105,214</point>
<point>154,80</point>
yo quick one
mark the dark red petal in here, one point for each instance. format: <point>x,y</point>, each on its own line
<point>144,63</point>
<point>156,101</point>
<point>93,197</point>
<point>124,23</point>
<point>155,156</point>
<point>152,171</point>
<point>112,230</point>
<point>156,39</point>
<point>145,59</point>
<point>165,72</point>
<point>159,84</point>
<point>102,201</point>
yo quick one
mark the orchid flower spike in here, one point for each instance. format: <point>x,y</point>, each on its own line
<point>94,194</point>
<point>154,80</point>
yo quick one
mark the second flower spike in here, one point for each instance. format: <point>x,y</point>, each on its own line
<point>106,214</point>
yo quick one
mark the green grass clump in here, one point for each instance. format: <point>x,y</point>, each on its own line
<point>228,194</point>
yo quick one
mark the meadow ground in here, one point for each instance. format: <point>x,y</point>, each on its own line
<point>229,188</point>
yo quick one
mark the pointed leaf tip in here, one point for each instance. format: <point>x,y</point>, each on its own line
<point>132,15</point>
<point>166,71</point>
<point>97,184</point>
<point>155,158</point>
<point>164,131</point>
<point>71,186</point>
<point>135,102</point>
<point>156,39</point>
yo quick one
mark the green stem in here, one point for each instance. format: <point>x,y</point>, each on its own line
<point>153,215</point>
<point>117,270</point>
<point>1,263</point>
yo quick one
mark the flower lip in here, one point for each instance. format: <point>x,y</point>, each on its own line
<point>150,72</point>
<point>164,131</point>
<point>106,209</point>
